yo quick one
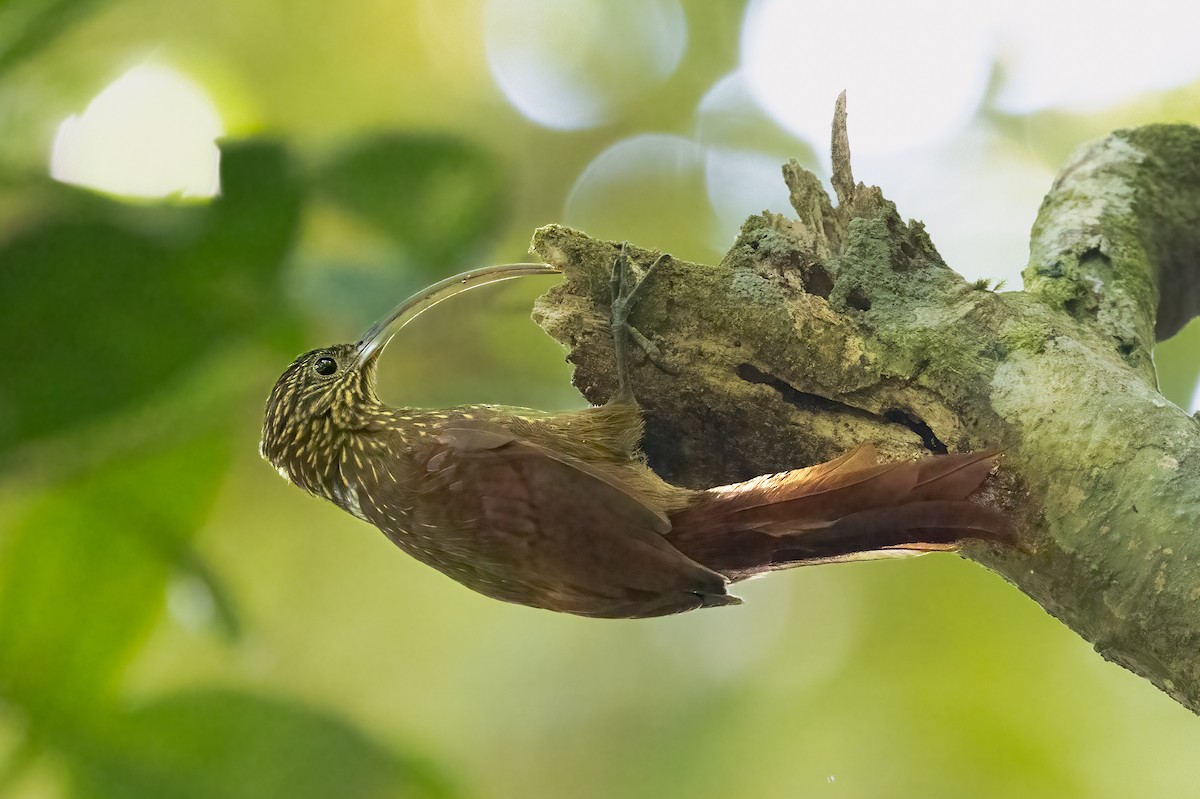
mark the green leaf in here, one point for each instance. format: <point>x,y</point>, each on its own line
<point>438,197</point>
<point>83,575</point>
<point>250,229</point>
<point>100,323</point>
<point>30,25</point>
<point>110,302</point>
<point>232,745</point>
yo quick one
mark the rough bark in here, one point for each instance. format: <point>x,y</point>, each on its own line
<point>844,325</point>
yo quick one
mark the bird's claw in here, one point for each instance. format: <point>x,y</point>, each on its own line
<point>624,288</point>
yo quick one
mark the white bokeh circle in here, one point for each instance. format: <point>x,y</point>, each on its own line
<point>150,133</point>
<point>572,64</point>
<point>648,189</point>
<point>744,152</point>
<point>1087,54</point>
<point>740,183</point>
<point>978,196</point>
<point>915,72</point>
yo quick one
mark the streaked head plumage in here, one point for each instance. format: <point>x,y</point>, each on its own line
<point>320,395</point>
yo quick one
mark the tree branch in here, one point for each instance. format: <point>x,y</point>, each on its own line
<point>844,325</point>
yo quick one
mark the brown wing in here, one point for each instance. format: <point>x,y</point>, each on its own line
<point>524,523</point>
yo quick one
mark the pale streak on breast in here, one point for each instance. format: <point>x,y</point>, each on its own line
<point>348,499</point>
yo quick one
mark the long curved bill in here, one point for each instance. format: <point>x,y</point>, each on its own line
<point>375,339</point>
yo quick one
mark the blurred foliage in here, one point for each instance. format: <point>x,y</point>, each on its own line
<point>113,304</point>
<point>175,621</point>
<point>437,197</point>
<point>220,743</point>
<point>1178,362</point>
<point>128,298</point>
<point>29,25</point>
<point>84,572</point>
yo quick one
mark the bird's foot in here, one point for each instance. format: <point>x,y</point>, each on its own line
<point>625,288</point>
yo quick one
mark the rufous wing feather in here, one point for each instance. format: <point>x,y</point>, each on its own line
<point>846,509</point>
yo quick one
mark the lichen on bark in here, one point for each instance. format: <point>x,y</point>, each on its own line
<point>844,325</point>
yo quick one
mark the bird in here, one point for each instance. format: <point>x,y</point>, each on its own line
<point>560,510</point>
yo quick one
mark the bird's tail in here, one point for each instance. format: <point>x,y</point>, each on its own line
<point>851,508</point>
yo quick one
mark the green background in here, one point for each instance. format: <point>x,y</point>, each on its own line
<point>175,620</point>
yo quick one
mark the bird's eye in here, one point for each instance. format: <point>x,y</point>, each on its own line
<point>325,366</point>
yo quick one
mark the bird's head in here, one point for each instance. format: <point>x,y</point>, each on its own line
<point>328,394</point>
<point>322,396</point>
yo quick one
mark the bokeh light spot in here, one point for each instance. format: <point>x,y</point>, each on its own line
<point>760,631</point>
<point>649,189</point>
<point>740,183</point>
<point>571,64</point>
<point>150,133</point>
<point>744,153</point>
<point>1087,54</point>
<point>977,195</point>
<point>190,602</point>
<point>915,72</point>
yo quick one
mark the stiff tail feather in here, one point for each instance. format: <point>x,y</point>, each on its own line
<point>850,508</point>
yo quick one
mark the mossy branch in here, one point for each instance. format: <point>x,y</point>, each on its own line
<point>844,325</point>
